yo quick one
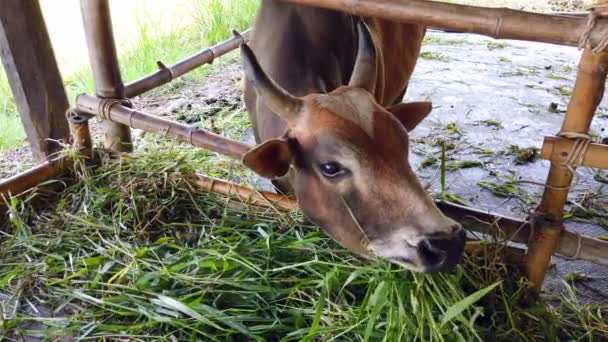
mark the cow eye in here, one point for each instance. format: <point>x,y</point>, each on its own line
<point>332,169</point>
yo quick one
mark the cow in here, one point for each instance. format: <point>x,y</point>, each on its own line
<point>323,90</point>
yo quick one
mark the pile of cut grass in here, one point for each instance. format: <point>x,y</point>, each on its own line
<point>130,250</point>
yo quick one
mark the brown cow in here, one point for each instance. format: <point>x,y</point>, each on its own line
<point>324,96</point>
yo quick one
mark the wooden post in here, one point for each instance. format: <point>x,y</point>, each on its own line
<point>548,221</point>
<point>104,64</point>
<point>29,61</point>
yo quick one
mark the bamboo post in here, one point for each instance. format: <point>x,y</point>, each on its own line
<point>548,221</point>
<point>168,74</point>
<point>500,23</point>
<point>81,134</point>
<point>104,64</point>
<point>28,58</point>
<point>115,112</point>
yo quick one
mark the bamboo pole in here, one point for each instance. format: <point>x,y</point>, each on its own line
<point>588,92</point>
<point>558,150</point>
<point>152,123</point>
<point>33,177</point>
<point>500,23</point>
<point>104,64</point>
<point>168,74</point>
<point>245,195</point>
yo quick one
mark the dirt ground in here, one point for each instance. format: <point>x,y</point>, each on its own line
<point>494,101</point>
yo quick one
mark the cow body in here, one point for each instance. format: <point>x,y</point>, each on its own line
<point>323,91</point>
<point>311,50</point>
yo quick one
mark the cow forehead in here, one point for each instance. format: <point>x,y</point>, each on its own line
<point>352,104</point>
<point>372,133</point>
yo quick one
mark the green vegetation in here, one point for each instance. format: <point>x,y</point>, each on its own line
<point>562,91</point>
<point>12,133</point>
<point>523,155</point>
<point>492,123</point>
<point>131,250</point>
<point>434,56</point>
<point>213,21</point>
<point>437,40</point>
<point>590,207</point>
<point>493,45</point>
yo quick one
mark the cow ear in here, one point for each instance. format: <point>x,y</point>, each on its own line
<point>411,113</point>
<point>271,159</point>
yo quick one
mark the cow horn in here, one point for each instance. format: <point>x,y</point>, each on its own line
<point>276,98</point>
<point>364,72</point>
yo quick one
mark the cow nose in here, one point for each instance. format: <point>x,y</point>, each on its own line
<point>442,253</point>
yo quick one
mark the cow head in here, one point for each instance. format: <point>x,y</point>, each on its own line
<point>347,160</point>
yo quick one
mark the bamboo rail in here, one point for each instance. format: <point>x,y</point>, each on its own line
<point>591,249</point>
<point>167,74</point>
<point>104,64</point>
<point>558,150</point>
<point>116,112</point>
<point>33,177</point>
<point>500,23</point>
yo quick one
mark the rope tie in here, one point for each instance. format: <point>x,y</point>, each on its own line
<point>105,105</point>
<point>585,39</point>
<point>577,153</point>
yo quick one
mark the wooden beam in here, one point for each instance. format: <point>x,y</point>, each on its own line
<point>557,150</point>
<point>500,23</point>
<point>104,64</point>
<point>31,69</point>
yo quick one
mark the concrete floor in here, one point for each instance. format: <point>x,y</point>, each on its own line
<point>493,94</point>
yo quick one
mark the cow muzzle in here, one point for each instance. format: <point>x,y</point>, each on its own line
<point>437,252</point>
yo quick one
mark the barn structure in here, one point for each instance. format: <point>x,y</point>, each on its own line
<point>29,60</point>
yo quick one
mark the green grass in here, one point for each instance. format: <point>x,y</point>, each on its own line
<point>12,133</point>
<point>523,155</point>
<point>213,21</point>
<point>434,56</point>
<point>131,250</point>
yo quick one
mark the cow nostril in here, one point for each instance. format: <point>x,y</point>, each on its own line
<point>434,257</point>
<point>441,254</point>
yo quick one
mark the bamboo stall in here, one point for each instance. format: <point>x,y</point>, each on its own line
<point>543,232</point>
